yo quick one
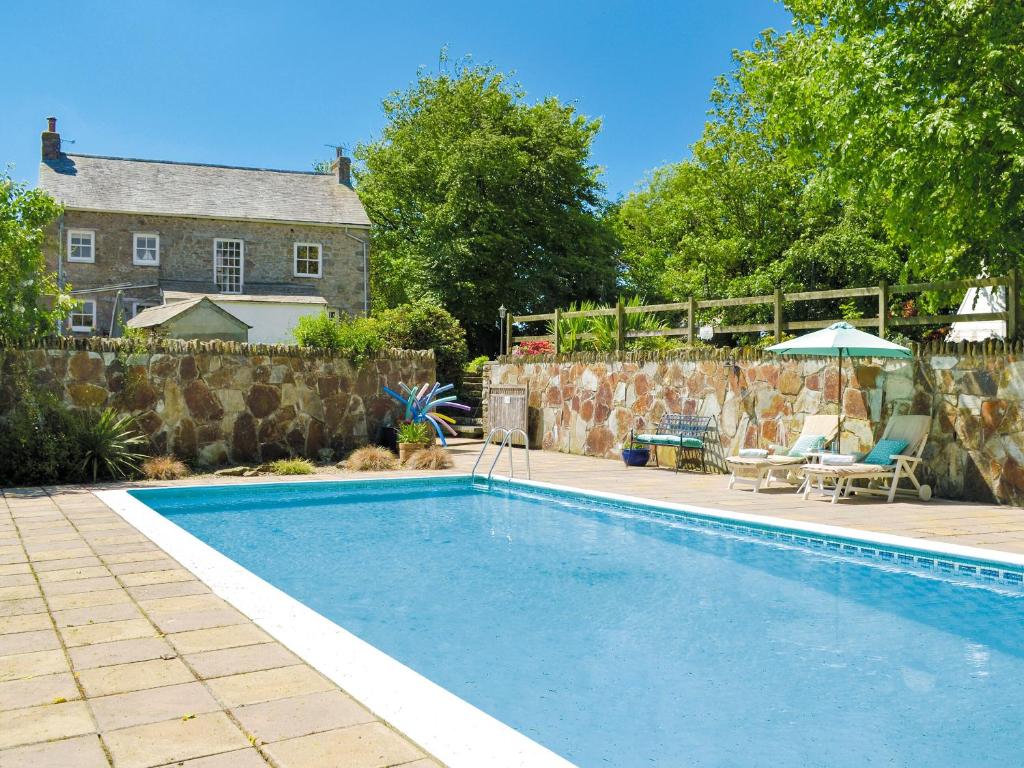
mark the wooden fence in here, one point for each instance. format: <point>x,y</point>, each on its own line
<point>881,323</point>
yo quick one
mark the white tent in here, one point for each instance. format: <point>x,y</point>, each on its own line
<point>980,301</point>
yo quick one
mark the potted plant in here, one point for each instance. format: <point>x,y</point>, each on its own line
<point>412,436</point>
<point>636,455</point>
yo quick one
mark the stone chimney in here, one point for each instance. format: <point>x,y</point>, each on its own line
<point>343,167</point>
<point>51,140</point>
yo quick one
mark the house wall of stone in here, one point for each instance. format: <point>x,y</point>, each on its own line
<point>218,402</point>
<point>186,258</point>
<point>976,400</point>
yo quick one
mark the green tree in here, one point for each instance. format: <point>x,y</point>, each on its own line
<point>31,303</point>
<point>741,218</point>
<point>914,110</point>
<point>480,199</point>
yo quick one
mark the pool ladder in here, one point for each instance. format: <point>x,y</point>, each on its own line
<point>506,439</point>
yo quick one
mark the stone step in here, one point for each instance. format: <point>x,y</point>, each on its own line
<point>469,430</point>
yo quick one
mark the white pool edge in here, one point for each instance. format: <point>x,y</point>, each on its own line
<point>449,728</point>
<point>446,726</point>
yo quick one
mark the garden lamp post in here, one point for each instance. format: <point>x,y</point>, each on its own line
<point>502,311</point>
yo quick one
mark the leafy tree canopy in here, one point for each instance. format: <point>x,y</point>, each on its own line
<point>740,218</point>
<point>480,199</point>
<point>911,109</point>
<point>31,305</point>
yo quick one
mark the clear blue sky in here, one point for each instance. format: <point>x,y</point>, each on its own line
<point>269,84</point>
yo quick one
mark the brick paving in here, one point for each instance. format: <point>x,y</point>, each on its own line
<point>112,654</point>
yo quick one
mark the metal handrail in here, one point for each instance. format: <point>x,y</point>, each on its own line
<point>507,435</point>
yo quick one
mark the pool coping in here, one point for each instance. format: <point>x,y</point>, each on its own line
<point>448,727</point>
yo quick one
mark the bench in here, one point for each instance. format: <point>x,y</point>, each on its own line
<point>687,434</point>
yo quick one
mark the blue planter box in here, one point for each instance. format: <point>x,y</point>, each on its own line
<point>636,457</point>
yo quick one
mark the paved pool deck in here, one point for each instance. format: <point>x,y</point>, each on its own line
<point>112,654</point>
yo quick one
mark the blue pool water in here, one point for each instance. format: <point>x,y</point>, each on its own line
<point>617,638</point>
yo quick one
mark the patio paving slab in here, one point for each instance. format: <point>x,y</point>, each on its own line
<point>153,744</point>
<point>119,652</point>
<point>54,721</point>
<point>301,715</point>
<point>370,745</point>
<point>38,690</point>
<point>79,752</point>
<point>152,706</point>
<point>134,676</point>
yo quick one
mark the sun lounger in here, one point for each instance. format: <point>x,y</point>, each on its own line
<point>894,458</point>
<point>756,471</point>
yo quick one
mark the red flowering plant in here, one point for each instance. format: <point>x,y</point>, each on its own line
<point>528,348</point>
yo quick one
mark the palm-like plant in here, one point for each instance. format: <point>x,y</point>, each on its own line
<point>572,330</point>
<point>605,331</point>
<point>109,444</point>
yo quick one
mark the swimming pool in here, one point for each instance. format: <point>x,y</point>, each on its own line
<point>620,634</point>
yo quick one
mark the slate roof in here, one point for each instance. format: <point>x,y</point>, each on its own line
<point>158,187</point>
<point>154,316</point>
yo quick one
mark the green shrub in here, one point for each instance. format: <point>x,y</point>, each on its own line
<point>292,467</point>
<point>38,444</point>
<point>422,325</point>
<point>477,364</point>
<point>358,338</point>
<point>108,444</point>
<point>43,442</point>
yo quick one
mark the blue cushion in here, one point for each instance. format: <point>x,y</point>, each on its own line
<point>672,440</point>
<point>806,444</point>
<point>883,450</point>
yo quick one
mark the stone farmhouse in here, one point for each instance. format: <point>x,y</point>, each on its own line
<point>265,245</point>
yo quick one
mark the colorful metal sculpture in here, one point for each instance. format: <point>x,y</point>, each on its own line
<point>422,404</point>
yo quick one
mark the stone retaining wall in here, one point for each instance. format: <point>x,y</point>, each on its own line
<point>588,404</point>
<point>218,402</point>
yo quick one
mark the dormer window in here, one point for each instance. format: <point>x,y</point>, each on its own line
<point>146,250</point>
<point>307,260</point>
<point>82,246</point>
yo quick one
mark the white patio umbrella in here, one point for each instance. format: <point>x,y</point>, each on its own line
<point>837,340</point>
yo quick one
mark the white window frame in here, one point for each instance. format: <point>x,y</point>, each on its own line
<point>319,260</point>
<point>80,310</point>
<point>241,265</point>
<point>80,233</point>
<point>135,249</point>
<point>136,303</point>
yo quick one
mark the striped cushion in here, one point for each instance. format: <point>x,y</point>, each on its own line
<point>673,440</point>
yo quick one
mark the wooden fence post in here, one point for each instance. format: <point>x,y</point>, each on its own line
<point>558,335</point>
<point>778,315</point>
<point>691,318</point>
<point>620,326</point>
<point>508,334</point>
<point>1013,305</point>
<point>883,308</point>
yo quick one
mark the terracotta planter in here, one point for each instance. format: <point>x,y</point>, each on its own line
<point>405,450</point>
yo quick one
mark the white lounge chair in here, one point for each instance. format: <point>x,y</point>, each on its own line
<point>760,470</point>
<point>882,478</point>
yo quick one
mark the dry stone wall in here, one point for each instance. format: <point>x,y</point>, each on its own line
<point>219,402</point>
<point>588,405</point>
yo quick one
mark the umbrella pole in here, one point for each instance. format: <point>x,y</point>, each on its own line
<point>839,430</point>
